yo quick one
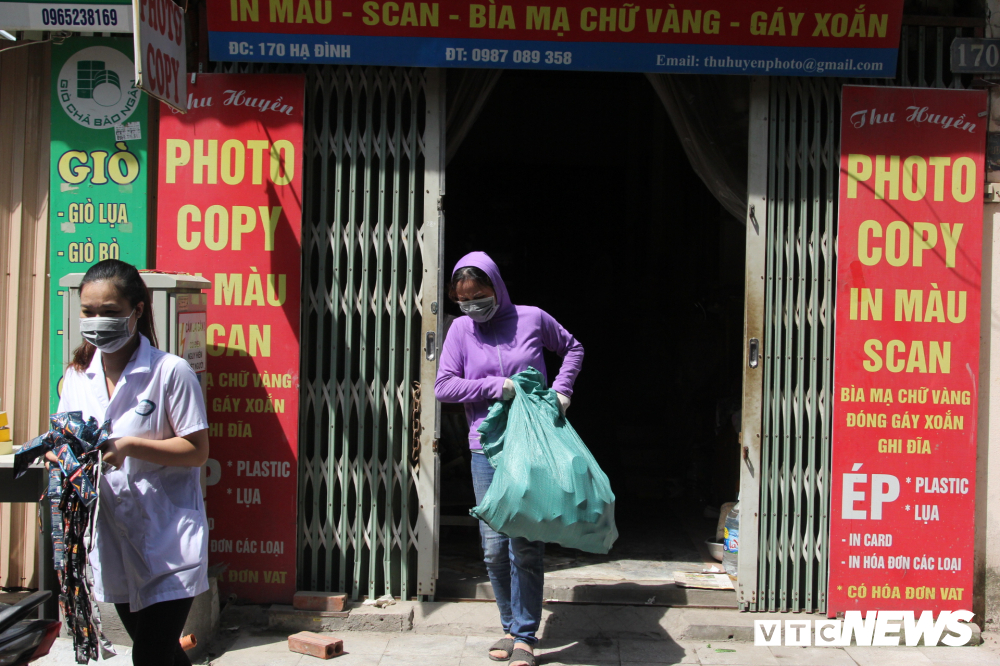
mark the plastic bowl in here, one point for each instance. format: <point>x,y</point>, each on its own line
<point>715,549</point>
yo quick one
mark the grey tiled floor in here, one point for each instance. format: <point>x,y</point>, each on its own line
<point>368,649</point>
<point>409,649</point>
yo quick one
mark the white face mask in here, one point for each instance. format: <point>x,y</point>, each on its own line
<point>480,310</point>
<point>109,334</point>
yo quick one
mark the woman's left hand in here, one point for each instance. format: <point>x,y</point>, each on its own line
<point>563,403</point>
<point>115,451</point>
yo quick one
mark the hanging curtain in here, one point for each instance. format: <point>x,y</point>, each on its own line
<point>711,117</point>
<point>468,90</point>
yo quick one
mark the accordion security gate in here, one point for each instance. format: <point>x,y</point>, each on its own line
<point>797,345</point>
<point>803,156</point>
<point>371,238</point>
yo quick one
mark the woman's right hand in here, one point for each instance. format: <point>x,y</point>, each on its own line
<point>508,389</point>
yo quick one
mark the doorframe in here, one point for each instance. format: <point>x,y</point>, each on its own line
<point>428,479</point>
<point>753,328</point>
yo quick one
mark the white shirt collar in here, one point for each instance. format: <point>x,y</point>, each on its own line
<point>140,361</point>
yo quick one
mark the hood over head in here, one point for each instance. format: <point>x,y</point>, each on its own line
<point>482,261</point>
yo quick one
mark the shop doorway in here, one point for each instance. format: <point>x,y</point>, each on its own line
<point>578,186</point>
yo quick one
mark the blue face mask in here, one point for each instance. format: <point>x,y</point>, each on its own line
<point>480,310</point>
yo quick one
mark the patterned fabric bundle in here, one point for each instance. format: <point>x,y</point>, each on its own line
<point>73,502</point>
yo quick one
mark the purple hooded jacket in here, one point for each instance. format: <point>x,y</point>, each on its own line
<point>476,358</point>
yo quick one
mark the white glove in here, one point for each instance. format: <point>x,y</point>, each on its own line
<point>563,403</point>
<point>508,390</point>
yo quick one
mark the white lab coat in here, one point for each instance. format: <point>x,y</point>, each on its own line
<point>152,535</point>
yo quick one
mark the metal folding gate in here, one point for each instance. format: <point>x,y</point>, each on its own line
<point>371,239</point>
<point>797,358</point>
<point>803,155</point>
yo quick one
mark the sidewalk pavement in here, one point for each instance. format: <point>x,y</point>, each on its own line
<point>252,648</point>
<point>460,633</point>
<point>378,649</point>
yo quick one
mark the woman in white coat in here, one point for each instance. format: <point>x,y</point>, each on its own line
<point>151,553</point>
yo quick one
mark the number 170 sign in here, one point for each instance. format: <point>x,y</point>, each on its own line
<point>971,55</point>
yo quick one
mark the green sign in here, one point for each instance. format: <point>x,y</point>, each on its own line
<point>98,170</point>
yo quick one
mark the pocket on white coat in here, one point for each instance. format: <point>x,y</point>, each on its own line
<point>175,536</point>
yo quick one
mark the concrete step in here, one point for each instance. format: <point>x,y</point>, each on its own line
<point>572,621</point>
<point>578,621</point>
<point>590,591</point>
<point>356,617</point>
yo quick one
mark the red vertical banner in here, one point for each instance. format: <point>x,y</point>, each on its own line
<point>230,208</point>
<point>906,368</point>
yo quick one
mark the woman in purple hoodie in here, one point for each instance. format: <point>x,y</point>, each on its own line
<point>495,340</point>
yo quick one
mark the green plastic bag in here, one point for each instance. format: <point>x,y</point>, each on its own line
<point>547,485</point>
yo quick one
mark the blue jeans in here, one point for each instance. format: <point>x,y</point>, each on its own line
<point>516,567</point>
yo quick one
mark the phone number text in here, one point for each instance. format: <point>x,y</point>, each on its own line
<point>79,17</point>
<point>526,56</point>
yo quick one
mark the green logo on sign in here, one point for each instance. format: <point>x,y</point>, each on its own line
<point>95,81</point>
<point>96,87</point>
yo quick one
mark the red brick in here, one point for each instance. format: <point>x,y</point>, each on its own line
<point>316,645</point>
<point>327,602</point>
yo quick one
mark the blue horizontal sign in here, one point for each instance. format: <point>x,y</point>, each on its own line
<point>526,54</point>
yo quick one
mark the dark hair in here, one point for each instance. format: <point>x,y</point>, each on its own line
<point>126,279</point>
<point>465,273</point>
